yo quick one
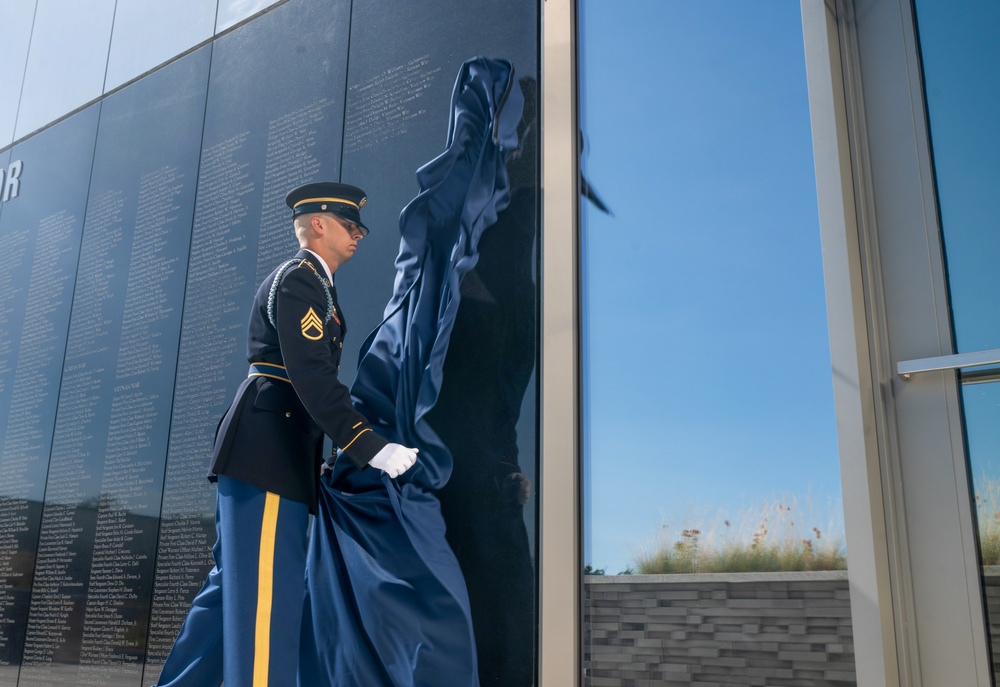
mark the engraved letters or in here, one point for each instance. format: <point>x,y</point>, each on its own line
<point>10,183</point>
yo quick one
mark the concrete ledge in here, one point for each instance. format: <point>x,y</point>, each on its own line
<point>730,578</point>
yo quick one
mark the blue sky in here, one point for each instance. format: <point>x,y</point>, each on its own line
<point>706,354</point>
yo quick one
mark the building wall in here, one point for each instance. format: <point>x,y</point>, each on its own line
<point>719,630</point>
<point>724,629</point>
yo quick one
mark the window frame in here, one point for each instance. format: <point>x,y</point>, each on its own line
<point>916,600</point>
<point>560,521</point>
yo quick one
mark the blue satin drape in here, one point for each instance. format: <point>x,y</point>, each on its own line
<point>386,601</point>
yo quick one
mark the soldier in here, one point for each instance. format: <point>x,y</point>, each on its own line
<point>243,627</point>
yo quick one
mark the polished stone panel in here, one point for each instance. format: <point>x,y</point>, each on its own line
<point>15,34</point>
<point>232,12</point>
<point>40,234</point>
<point>90,603</point>
<point>404,61</point>
<point>273,121</point>
<point>147,34</point>
<point>128,261</point>
<point>66,61</point>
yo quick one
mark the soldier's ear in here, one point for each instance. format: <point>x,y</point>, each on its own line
<point>317,224</point>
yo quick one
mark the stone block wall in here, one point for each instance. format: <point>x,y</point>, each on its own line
<point>718,630</point>
<point>991,590</point>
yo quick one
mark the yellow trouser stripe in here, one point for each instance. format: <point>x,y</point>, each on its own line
<point>265,578</point>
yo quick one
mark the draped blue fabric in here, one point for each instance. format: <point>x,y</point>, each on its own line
<point>386,601</point>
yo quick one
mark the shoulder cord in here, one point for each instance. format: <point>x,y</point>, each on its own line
<point>273,293</point>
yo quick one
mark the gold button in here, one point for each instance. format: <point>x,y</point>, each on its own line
<point>288,414</point>
<point>341,344</point>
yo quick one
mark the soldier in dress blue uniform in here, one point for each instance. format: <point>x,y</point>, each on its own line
<point>243,627</point>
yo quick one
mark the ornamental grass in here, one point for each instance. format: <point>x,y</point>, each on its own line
<point>771,538</point>
<point>775,538</point>
<point>988,514</point>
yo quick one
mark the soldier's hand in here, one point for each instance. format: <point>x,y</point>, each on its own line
<point>394,459</point>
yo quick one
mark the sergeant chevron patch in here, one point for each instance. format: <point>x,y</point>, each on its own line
<point>312,323</point>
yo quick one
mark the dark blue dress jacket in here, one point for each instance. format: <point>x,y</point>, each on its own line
<point>272,435</point>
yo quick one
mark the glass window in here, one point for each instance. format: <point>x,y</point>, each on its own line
<point>960,56</point>
<point>708,420</point>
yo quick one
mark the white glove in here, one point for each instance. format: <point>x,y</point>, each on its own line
<point>394,459</point>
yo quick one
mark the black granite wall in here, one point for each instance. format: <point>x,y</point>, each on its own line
<point>128,259</point>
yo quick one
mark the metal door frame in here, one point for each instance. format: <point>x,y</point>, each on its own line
<point>916,597</point>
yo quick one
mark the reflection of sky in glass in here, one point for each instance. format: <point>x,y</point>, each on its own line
<point>961,61</point>
<point>706,355</point>
<point>981,406</point>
